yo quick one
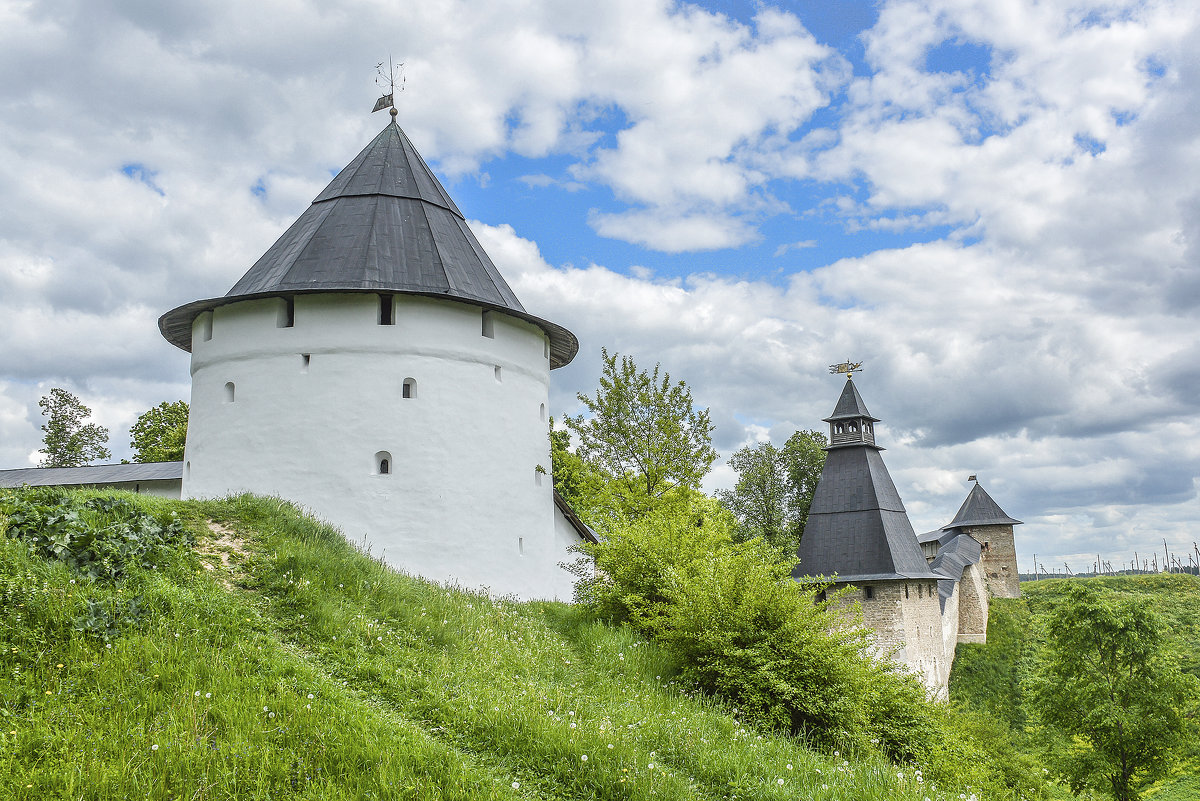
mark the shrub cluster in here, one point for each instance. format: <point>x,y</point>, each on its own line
<point>742,629</point>
<point>99,537</point>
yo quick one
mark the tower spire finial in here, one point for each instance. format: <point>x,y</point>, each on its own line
<point>848,367</point>
<point>388,79</point>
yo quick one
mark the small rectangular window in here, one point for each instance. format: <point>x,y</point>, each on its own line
<point>287,314</point>
<point>386,311</point>
<point>489,328</point>
<point>868,593</point>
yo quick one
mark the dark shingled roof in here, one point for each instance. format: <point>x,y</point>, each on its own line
<point>93,474</point>
<point>980,510</point>
<point>952,559</point>
<point>850,405</point>
<point>383,225</point>
<point>857,526</point>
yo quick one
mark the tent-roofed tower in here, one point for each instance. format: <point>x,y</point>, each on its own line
<point>375,367</point>
<point>984,520</point>
<point>858,533</point>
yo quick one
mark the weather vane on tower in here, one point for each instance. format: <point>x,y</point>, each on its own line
<point>388,79</point>
<point>848,367</point>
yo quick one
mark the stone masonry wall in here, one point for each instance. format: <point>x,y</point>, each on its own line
<point>998,560</point>
<point>906,618</point>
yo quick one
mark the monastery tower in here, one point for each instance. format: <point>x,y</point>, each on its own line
<point>374,367</point>
<point>858,534</point>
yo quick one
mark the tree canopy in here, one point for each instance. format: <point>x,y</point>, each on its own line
<point>645,432</point>
<point>1110,690</point>
<point>775,488</point>
<point>159,434</point>
<point>68,441</point>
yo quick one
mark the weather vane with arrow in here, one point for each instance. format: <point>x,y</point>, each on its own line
<point>848,367</point>
<point>388,79</point>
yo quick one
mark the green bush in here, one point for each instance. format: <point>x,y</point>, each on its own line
<point>99,537</point>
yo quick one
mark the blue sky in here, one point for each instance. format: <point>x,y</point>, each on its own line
<point>992,203</point>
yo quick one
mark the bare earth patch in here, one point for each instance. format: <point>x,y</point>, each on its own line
<point>226,549</point>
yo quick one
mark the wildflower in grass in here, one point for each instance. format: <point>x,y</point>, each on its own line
<point>270,714</point>
<point>154,747</point>
<point>208,695</point>
<point>779,781</point>
<point>60,664</point>
<point>789,766</point>
<point>516,785</point>
<point>197,693</point>
<point>310,695</point>
<point>49,693</point>
<point>610,745</point>
<point>583,758</point>
<point>650,766</point>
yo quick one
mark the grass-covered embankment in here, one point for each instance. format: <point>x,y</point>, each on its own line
<point>990,678</point>
<point>249,652</point>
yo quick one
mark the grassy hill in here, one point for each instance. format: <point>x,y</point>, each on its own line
<point>987,678</point>
<point>245,651</point>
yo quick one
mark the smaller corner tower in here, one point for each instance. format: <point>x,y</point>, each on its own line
<point>983,520</point>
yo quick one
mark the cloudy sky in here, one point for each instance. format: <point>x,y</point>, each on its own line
<point>992,203</point>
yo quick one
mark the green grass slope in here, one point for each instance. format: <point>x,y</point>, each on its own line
<point>257,655</point>
<point>987,678</point>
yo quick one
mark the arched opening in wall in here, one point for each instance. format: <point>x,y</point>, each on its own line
<point>409,388</point>
<point>542,412</point>
<point>383,463</point>
<point>905,590</point>
<point>206,326</point>
<point>489,325</point>
<point>496,372</point>
<point>287,314</point>
<point>920,589</point>
<point>387,310</point>
<point>229,392</point>
<point>305,360</point>
<point>187,470</point>
<point>521,545</point>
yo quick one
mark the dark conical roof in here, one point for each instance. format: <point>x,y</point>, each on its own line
<point>857,526</point>
<point>980,510</point>
<point>850,405</point>
<point>386,225</point>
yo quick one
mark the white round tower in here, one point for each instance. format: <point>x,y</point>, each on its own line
<point>374,367</point>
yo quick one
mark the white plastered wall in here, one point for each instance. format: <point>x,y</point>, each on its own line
<point>464,501</point>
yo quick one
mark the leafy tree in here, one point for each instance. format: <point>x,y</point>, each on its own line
<point>585,487</point>
<point>644,432</point>
<point>1108,685</point>
<point>68,441</point>
<point>775,488</point>
<point>159,434</point>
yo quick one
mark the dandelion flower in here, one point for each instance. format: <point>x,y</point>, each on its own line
<point>789,766</point>
<point>516,785</point>
<point>208,695</point>
<point>610,746</point>
<point>154,747</point>
<point>583,758</point>
<point>650,766</point>
<point>270,714</point>
<point>197,693</point>
<point>779,781</point>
